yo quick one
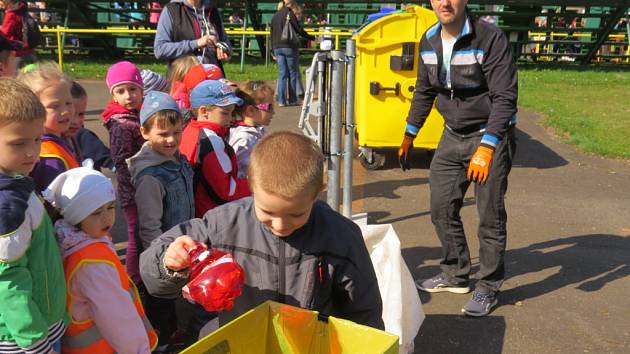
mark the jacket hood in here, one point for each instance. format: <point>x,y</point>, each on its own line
<point>114,109</point>
<point>14,195</point>
<point>71,239</point>
<point>145,158</point>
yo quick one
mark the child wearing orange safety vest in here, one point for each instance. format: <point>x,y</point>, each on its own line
<point>106,315</point>
<point>52,87</point>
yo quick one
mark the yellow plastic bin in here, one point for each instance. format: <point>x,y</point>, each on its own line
<point>386,72</point>
<point>274,328</point>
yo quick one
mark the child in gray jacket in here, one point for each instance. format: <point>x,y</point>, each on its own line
<point>163,180</point>
<point>294,249</point>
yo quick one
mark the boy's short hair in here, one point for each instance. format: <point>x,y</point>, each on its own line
<point>287,164</point>
<point>18,103</point>
<point>77,91</point>
<point>162,119</point>
<point>42,76</point>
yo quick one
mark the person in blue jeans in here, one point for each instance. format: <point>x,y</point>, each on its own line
<point>286,52</point>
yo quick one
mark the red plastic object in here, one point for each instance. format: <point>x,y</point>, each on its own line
<point>215,281</point>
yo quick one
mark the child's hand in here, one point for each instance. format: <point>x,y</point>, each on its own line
<point>176,257</point>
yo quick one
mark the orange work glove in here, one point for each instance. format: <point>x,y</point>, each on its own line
<point>403,152</point>
<point>479,166</point>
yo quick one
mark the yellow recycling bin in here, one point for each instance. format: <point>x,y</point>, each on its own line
<point>273,328</point>
<point>385,79</point>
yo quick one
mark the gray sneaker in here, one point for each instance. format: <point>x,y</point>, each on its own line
<point>439,284</point>
<point>481,303</point>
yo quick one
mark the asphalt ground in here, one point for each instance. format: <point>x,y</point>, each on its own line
<point>568,258</point>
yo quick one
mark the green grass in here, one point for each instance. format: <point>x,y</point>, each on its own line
<point>590,109</point>
<point>254,69</point>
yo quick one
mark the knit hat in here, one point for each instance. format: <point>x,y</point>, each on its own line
<point>123,72</point>
<point>213,93</point>
<point>154,102</point>
<point>199,73</point>
<point>153,81</point>
<point>78,192</point>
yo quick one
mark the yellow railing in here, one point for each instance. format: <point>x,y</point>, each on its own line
<point>542,36</point>
<point>58,31</point>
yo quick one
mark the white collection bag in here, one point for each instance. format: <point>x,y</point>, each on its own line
<point>402,310</point>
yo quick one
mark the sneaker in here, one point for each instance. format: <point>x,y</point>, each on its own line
<point>481,303</point>
<point>439,284</point>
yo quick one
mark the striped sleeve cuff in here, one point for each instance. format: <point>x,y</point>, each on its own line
<point>490,141</point>
<point>411,130</point>
<point>56,331</point>
<point>41,347</point>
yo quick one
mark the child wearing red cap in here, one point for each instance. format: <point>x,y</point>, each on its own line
<point>193,77</point>
<point>121,120</point>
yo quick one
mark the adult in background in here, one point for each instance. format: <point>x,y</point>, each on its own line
<point>192,27</point>
<point>13,29</point>
<point>467,65</point>
<point>286,52</point>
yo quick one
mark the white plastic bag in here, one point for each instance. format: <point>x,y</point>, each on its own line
<point>402,310</point>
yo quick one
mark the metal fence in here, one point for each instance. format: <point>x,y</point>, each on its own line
<point>244,34</point>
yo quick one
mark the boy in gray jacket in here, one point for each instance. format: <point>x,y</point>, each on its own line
<point>163,180</point>
<point>294,249</point>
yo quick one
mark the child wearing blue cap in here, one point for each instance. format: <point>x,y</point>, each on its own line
<point>205,145</point>
<point>163,182</point>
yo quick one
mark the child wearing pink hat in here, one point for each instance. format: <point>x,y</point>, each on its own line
<point>121,118</point>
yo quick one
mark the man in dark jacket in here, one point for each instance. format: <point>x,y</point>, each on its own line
<point>467,65</point>
<point>192,27</point>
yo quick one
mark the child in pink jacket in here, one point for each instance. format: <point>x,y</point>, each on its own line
<point>100,293</point>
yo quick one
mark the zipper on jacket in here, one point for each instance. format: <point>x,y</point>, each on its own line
<point>319,273</point>
<point>452,94</point>
<point>281,272</point>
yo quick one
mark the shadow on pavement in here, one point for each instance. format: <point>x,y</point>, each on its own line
<point>380,217</point>
<point>384,189</point>
<point>461,334</point>
<point>532,153</point>
<point>418,158</point>
<point>529,153</point>
<point>588,262</point>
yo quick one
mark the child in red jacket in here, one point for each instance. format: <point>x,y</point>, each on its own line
<point>13,29</point>
<point>204,145</point>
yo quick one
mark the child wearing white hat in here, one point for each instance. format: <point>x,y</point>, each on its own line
<point>106,314</point>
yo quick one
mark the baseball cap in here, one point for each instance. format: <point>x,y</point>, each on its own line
<point>213,93</point>
<point>154,102</point>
